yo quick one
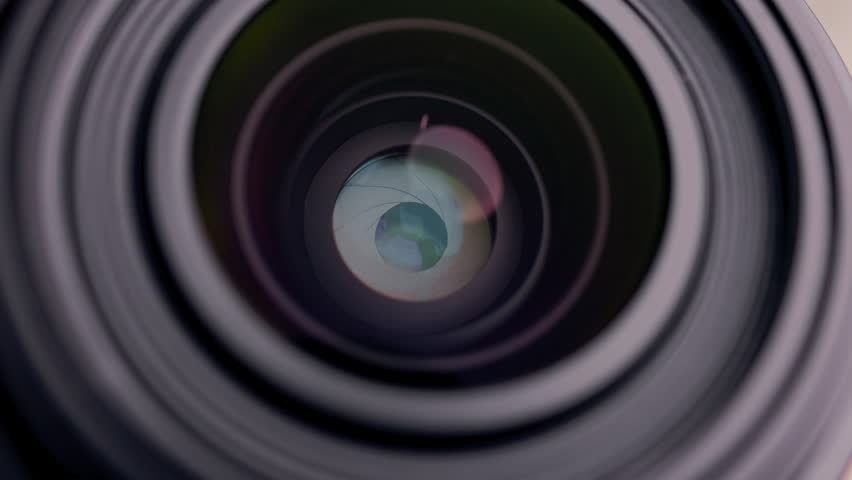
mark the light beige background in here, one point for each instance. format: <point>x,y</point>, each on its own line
<point>836,17</point>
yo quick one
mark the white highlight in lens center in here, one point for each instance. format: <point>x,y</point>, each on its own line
<point>388,182</point>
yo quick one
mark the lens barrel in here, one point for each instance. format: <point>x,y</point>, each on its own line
<point>480,239</point>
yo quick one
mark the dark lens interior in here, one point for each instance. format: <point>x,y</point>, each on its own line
<point>520,183</point>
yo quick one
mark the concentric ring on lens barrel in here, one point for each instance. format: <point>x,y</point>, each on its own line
<point>442,312</point>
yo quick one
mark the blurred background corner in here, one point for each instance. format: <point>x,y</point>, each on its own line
<point>836,17</point>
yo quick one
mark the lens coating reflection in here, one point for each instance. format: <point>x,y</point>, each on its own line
<point>411,236</point>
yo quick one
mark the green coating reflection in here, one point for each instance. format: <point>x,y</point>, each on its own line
<point>411,236</point>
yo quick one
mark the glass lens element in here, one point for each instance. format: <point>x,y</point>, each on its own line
<point>410,229</point>
<point>411,236</point>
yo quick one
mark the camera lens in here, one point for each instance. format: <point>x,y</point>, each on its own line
<point>479,239</point>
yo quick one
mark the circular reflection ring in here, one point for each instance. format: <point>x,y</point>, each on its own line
<point>570,296</point>
<point>434,316</point>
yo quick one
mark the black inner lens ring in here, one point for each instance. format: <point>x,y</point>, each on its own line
<point>501,277</point>
<point>575,163</point>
